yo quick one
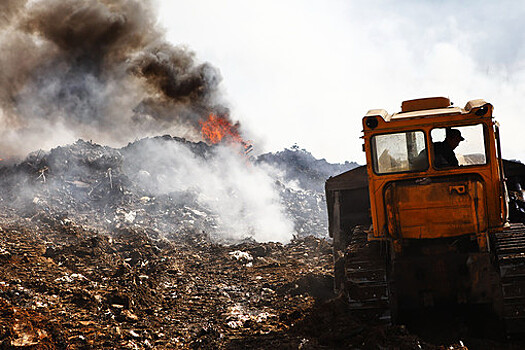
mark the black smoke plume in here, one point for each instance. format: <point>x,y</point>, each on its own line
<point>95,69</point>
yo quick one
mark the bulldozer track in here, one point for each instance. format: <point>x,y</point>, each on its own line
<point>366,284</point>
<point>510,251</point>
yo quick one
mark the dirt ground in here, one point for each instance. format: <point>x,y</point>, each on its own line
<point>66,287</point>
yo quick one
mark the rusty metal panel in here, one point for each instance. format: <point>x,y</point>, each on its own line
<point>437,208</point>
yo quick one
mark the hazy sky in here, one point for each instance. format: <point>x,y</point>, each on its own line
<point>305,72</point>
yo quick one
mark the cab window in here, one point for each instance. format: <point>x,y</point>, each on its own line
<point>399,152</point>
<point>458,146</point>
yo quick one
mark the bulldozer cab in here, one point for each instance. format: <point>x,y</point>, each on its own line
<point>434,171</point>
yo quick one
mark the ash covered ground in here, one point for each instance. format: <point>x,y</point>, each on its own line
<point>96,252</point>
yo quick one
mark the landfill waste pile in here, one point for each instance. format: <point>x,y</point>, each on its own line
<point>105,186</point>
<point>300,166</point>
<point>301,178</point>
<point>95,254</point>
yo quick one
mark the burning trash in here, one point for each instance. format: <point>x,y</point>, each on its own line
<point>219,129</point>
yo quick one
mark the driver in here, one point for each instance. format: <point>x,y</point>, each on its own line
<point>444,155</point>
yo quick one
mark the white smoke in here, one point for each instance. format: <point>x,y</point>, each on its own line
<point>241,193</point>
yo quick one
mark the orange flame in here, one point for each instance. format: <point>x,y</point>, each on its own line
<point>217,129</point>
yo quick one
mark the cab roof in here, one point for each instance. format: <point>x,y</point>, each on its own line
<point>426,107</point>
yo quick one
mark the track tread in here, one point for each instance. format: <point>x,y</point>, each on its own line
<point>366,284</point>
<point>512,274</point>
